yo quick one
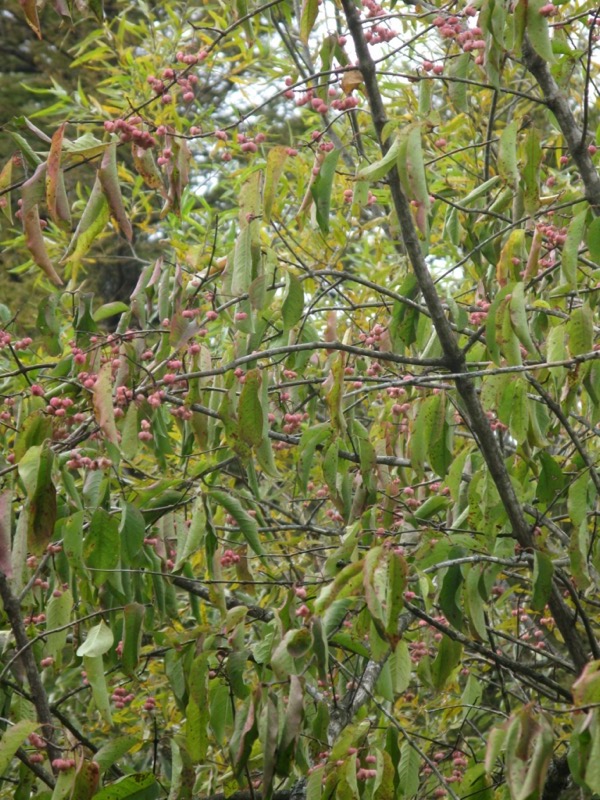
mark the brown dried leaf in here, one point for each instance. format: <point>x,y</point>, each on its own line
<point>56,198</point>
<point>351,80</point>
<point>103,404</point>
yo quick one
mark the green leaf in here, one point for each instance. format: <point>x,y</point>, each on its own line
<point>247,524</point>
<point>133,618</point>
<point>308,17</point>
<point>408,771</point>
<point>12,738</point>
<point>447,659</point>
<point>322,186</point>
<point>142,786</point>
<point>379,169</point>
<point>110,310</point>
<point>58,614</point>
<point>242,262</point>
<point>580,329</point>
<point>276,159</point>
<point>593,239</point>
<point>92,223</point>
<point>98,641</point>
<point>293,305</point>
<point>543,571</point>
<point>94,669</point>
<point>507,154</point>
<point>250,413</point>
<point>518,317</point>
<point>538,31</point>
<point>112,751</point>
<point>102,545</point>
<point>570,250</point>
<point>132,531</point>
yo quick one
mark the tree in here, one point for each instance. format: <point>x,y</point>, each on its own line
<point>313,512</point>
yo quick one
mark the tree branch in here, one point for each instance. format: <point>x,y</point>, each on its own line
<point>453,357</point>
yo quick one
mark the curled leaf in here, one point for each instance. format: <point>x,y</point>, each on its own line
<point>109,181</point>
<point>32,191</point>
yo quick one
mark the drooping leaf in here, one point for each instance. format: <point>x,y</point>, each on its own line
<point>322,187</point>
<point>109,180</point>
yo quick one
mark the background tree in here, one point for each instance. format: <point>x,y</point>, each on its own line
<point>311,510</point>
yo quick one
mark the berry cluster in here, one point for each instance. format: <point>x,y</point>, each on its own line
<point>130,131</point>
<point>229,558</point>
<point>121,697</point>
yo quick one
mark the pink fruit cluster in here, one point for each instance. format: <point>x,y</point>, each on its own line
<point>150,704</point>
<point>480,316</point>
<point>374,336</point>
<point>379,34</point>
<point>170,78</point>
<point>63,764</point>
<point>129,131</point>
<point>453,27</point>
<point>35,740</point>
<point>293,422</point>
<point>121,697</point>
<point>229,558</point>
<point>372,9</point>
<point>145,435</point>
<point>79,461</point>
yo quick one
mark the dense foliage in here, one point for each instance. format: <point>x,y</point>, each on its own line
<point>311,511</point>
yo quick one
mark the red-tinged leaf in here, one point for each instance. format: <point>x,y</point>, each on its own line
<point>5,533</point>
<point>87,777</point>
<point>109,179</point>
<point>292,727</point>
<point>412,171</point>
<point>103,404</point>
<point>178,170</point>
<point>31,15</point>
<point>244,736</point>
<point>275,165</point>
<point>586,688</point>
<point>529,745</point>
<point>35,470</point>
<point>144,162</point>
<point>308,17</point>
<point>62,7</point>
<point>55,188</point>
<point>33,192</point>
<point>271,735</point>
